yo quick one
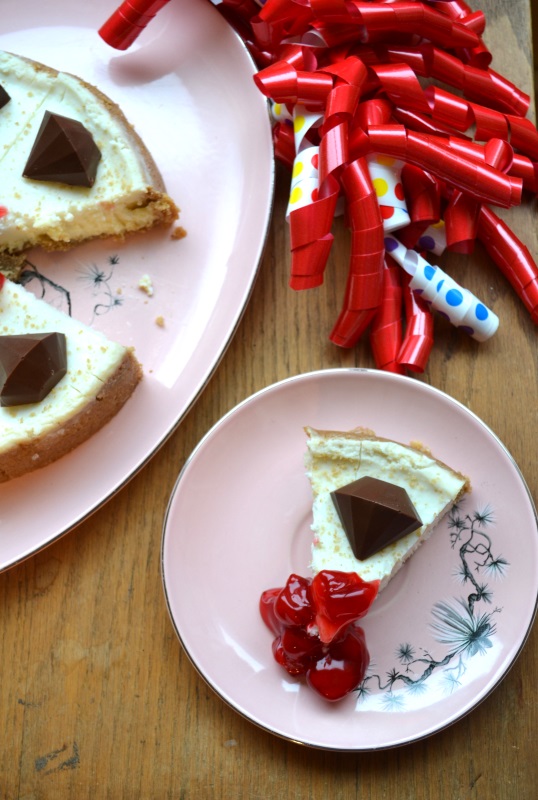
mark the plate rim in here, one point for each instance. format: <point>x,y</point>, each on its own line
<point>311,375</point>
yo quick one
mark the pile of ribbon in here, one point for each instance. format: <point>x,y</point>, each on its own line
<point>366,130</point>
<point>389,112</point>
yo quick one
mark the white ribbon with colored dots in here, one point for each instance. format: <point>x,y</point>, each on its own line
<point>385,173</point>
<point>443,294</point>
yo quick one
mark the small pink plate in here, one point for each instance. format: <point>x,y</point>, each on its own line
<point>187,87</point>
<point>443,633</point>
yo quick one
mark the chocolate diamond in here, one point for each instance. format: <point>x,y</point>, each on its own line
<point>64,151</point>
<point>31,365</point>
<point>374,514</point>
<point>4,97</point>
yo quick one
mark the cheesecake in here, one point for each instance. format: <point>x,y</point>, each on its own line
<point>100,376</point>
<point>337,459</point>
<point>126,194</point>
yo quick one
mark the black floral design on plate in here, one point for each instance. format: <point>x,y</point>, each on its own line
<point>464,625</point>
<point>58,296</point>
<point>99,282</point>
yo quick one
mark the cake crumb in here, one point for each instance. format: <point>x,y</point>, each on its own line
<point>159,321</point>
<point>178,232</point>
<point>146,285</point>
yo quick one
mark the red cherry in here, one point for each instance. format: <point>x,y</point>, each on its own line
<point>335,661</point>
<point>342,669</point>
<point>351,646</point>
<point>294,666</point>
<point>299,644</point>
<point>340,598</point>
<point>294,603</point>
<point>267,610</point>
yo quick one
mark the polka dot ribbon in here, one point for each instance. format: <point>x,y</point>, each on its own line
<point>443,294</point>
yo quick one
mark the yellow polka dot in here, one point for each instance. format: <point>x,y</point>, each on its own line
<point>297,168</point>
<point>381,186</point>
<point>440,224</point>
<point>298,123</point>
<point>386,161</point>
<point>296,195</point>
<point>277,109</point>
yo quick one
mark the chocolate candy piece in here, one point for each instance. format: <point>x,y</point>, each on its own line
<point>31,364</point>
<point>64,151</point>
<point>4,97</point>
<point>374,513</point>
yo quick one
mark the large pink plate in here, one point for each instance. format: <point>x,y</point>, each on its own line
<point>441,635</point>
<point>187,87</point>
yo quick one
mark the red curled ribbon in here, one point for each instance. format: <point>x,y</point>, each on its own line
<point>423,193</point>
<point>476,84</point>
<point>365,281</point>
<point>283,83</point>
<point>284,143</point>
<point>481,181</point>
<point>462,212</point>
<point>512,258</point>
<point>311,237</point>
<point>418,339</point>
<point>521,166</point>
<point>411,17</point>
<point>386,327</point>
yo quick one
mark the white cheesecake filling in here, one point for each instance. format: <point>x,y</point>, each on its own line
<point>91,360</point>
<point>58,212</point>
<point>333,462</point>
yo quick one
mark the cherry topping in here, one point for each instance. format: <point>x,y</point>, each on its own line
<point>294,603</point>
<point>342,668</point>
<point>340,598</point>
<point>296,650</point>
<point>267,610</point>
<point>315,632</point>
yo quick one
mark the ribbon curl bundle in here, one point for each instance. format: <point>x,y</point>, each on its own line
<point>366,131</point>
<point>359,118</point>
<point>417,167</point>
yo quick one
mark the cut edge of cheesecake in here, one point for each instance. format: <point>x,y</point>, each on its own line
<point>336,458</point>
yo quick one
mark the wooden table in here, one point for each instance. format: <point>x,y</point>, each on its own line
<point>98,699</point>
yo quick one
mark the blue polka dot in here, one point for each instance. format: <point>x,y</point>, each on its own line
<point>454,297</point>
<point>429,272</point>
<point>426,243</point>
<point>440,284</point>
<point>481,312</point>
<point>390,244</point>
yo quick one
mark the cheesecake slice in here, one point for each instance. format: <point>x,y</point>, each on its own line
<point>335,459</point>
<point>127,194</point>
<point>101,375</point>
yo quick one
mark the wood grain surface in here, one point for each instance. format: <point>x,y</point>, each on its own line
<point>98,699</point>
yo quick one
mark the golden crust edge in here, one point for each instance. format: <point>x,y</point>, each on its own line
<point>30,456</point>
